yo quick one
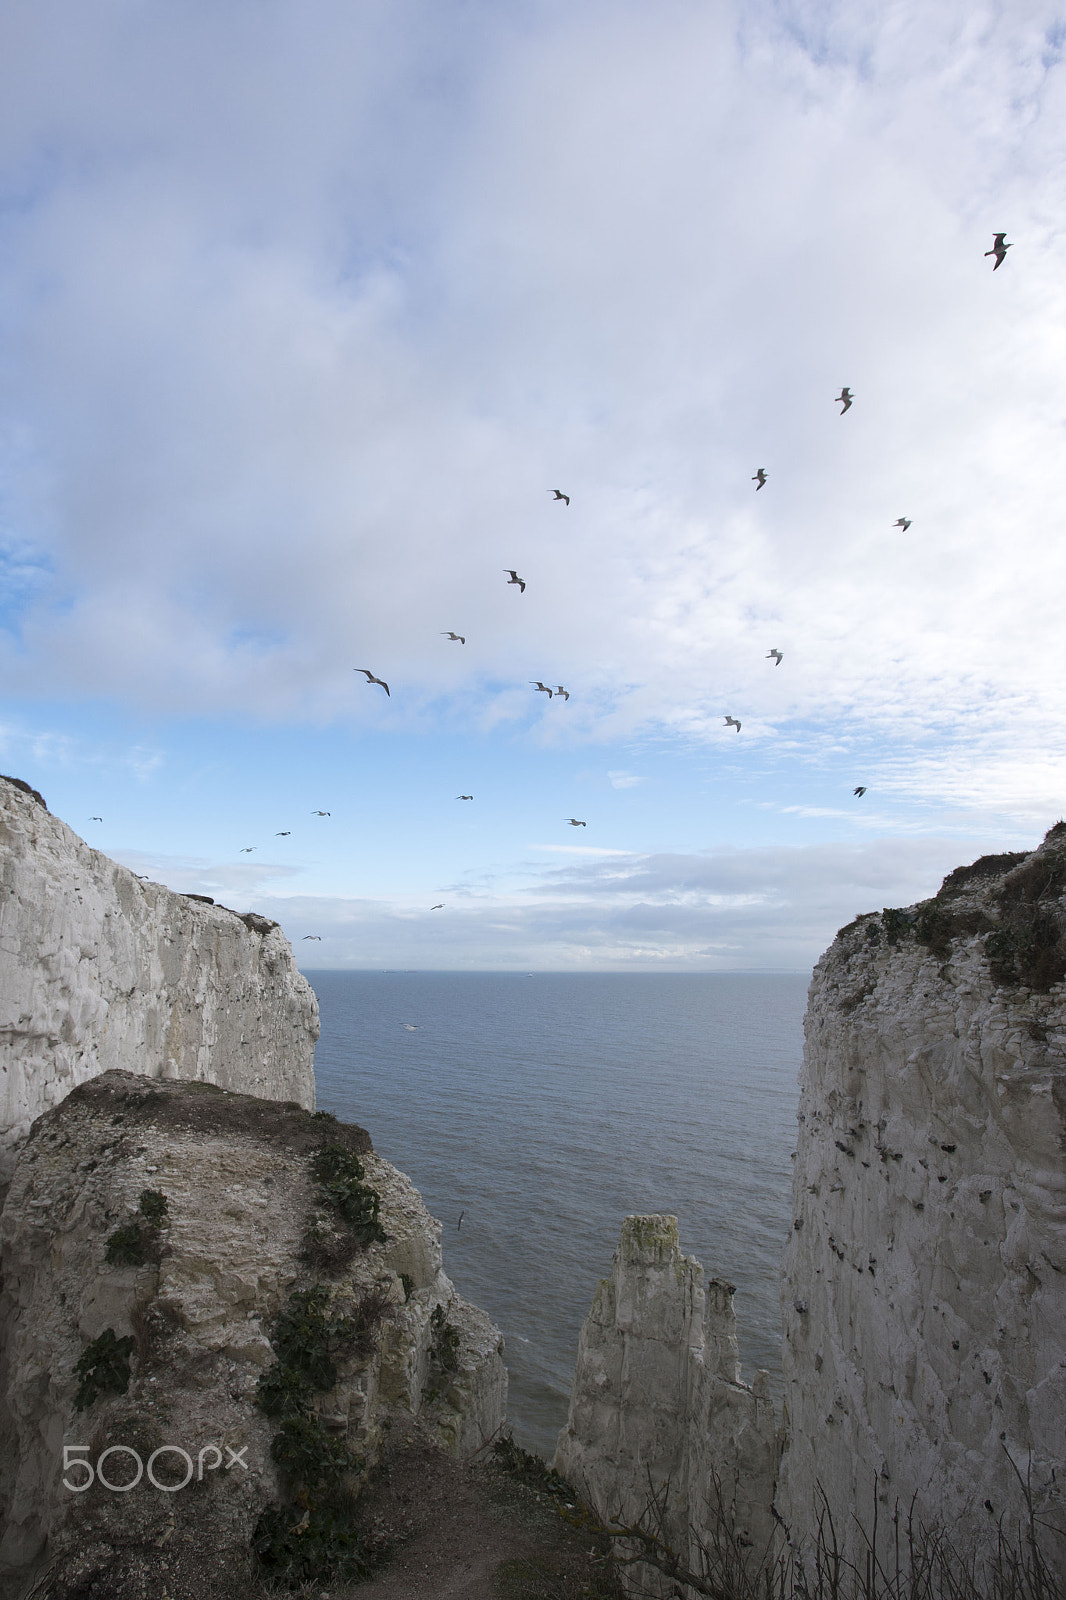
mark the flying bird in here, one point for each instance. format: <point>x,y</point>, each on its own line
<point>317,936</point>
<point>459,1224</point>
<point>284,835</point>
<point>860,789</point>
<point>732,722</point>
<point>448,634</point>
<point>777,655</point>
<point>541,687</point>
<point>412,1027</point>
<point>438,908</point>
<point>321,813</point>
<point>902,522</point>
<point>574,823</point>
<point>464,797</point>
<point>558,493</point>
<point>514,578</point>
<point>96,819</point>
<point>248,849</point>
<point>370,678</point>
<point>759,479</point>
<point>999,250</point>
<point>847,397</point>
<point>561,693</point>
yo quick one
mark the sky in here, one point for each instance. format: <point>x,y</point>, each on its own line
<point>307,308</point>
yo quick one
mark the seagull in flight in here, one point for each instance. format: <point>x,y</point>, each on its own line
<point>759,479</point>
<point>561,693</point>
<point>541,687</point>
<point>459,1224</point>
<point>847,397</point>
<point>438,908</point>
<point>999,250</point>
<point>317,936</point>
<point>464,797</point>
<point>902,522</point>
<point>412,1027</point>
<point>248,849</point>
<point>448,634</point>
<point>732,722</point>
<point>860,788</point>
<point>321,813</point>
<point>514,578</point>
<point>284,835</point>
<point>370,678</point>
<point>574,823</point>
<point>558,493</point>
<point>776,655</point>
<point>96,819</point>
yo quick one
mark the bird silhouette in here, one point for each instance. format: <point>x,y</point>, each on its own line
<point>561,693</point>
<point>574,823</point>
<point>438,908</point>
<point>860,789</point>
<point>96,819</point>
<point>999,250</point>
<point>759,479</point>
<point>448,634</point>
<point>732,722</point>
<point>284,835</point>
<point>248,849</point>
<point>847,397</point>
<point>459,1224</point>
<point>559,495</point>
<point>542,688</point>
<point>370,678</point>
<point>317,936</point>
<point>902,522</point>
<point>321,813</point>
<point>514,578</point>
<point>464,797</point>
<point>777,656</point>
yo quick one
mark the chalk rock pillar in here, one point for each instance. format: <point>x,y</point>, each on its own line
<point>661,1431</point>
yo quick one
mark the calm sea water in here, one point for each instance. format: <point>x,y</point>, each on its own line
<point>546,1108</point>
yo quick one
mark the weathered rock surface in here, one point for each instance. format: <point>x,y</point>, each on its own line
<point>658,1411</point>
<point>99,970</point>
<point>240,1195</point>
<point>925,1278</point>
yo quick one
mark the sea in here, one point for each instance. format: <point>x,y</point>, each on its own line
<point>539,1110</point>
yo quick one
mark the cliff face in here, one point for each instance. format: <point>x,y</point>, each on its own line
<point>99,970</point>
<point>120,1333</point>
<point>924,1283</point>
<point>925,1278</point>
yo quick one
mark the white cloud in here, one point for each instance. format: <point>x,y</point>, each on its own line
<point>305,316</point>
<point>768,909</point>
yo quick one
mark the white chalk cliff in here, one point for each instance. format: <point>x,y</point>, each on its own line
<point>170,1237</point>
<point>200,1310</point>
<point>99,970</point>
<point>924,1282</point>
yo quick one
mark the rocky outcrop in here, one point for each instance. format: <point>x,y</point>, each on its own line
<point>100,970</point>
<point>924,1285</point>
<point>925,1277</point>
<point>661,1432</point>
<point>183,1271</point>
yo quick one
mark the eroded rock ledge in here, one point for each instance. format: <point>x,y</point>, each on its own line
<point>193,1299</point>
